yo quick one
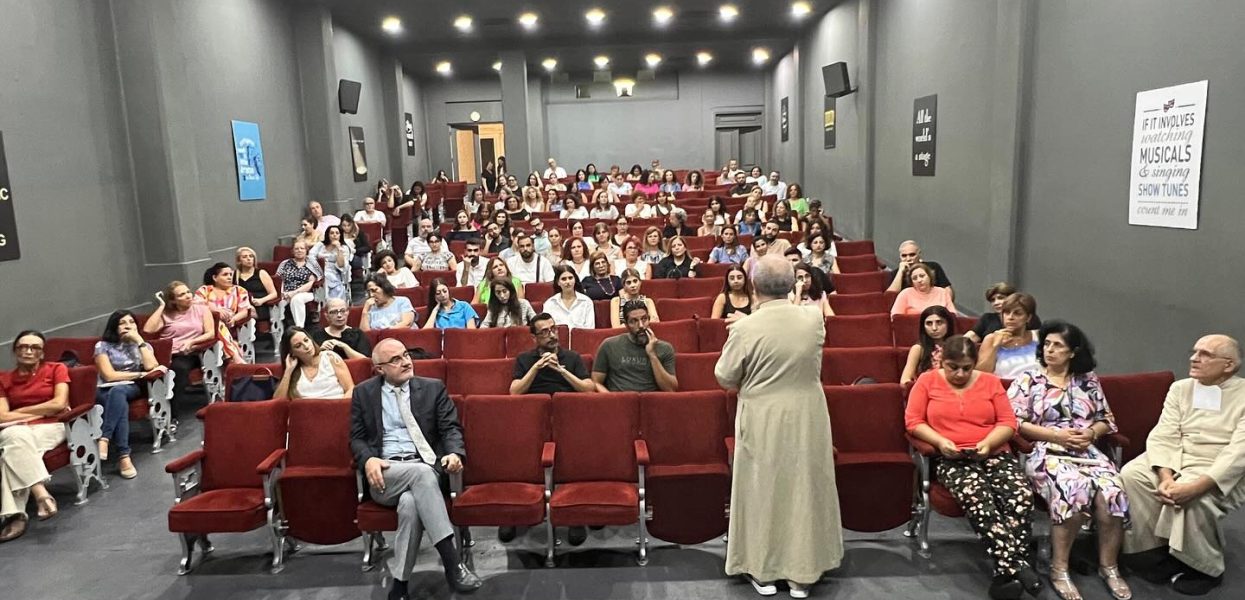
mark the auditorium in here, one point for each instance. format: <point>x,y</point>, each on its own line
<point>607,300</point>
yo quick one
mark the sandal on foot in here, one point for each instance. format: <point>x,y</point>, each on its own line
<point>127,468</point>
<point>102,446</point>
<point>1115,582</point>
<point>1062,584</point>
<point>47,507</point>
<point>15,528</point>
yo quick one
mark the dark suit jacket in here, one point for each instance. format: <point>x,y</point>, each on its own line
<point>431,407</point>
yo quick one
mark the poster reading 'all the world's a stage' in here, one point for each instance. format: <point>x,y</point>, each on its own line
<point>1166,163</point>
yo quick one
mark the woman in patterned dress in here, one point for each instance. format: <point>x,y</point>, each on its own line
<point>1061,407</point>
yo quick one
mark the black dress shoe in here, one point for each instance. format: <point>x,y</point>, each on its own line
<point>462,580</point>
<point>1161,573</point>
<point>576,535</point>
<point>397,591</point>
<point>1006,588</point>
<point>1195,583</point>
<point>1029,579</point>
<point>506,534</point>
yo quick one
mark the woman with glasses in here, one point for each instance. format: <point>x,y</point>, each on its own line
<point>31,395</point>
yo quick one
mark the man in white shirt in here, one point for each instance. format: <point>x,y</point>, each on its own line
<point>774,186</point>
<point>419,244</point>
<point>554,170</point>
<point>323,221</point>
<point>539,237</point>
<point>529,266</point>
<point>369,214</point>
<point>618,188</point>
<point>471,268</point>
<point>727,177</point>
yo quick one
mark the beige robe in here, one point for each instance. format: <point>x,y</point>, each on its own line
<point>784,505</point>
<point>1193,442</point>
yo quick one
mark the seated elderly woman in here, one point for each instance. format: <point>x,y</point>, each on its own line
<point>29,394</point>
<point>298,275</point>
<point>384,309</point>
<point>1012,350</point>
<point>386,263</point>
<point>309,371</point>
<point>123,359</point>
<point>1061,407</point>
<point>922,294</point>
<point>231,304</point>
<point>965,415</point>
<point>256,281</point>
<point>506,308</point>
<point>935,326</point>
<point>187,323</point>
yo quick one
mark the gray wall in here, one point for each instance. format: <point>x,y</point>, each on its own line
<point>1143,293</point>
<point>413,102</point>
<point>787,157</point>
<point>448,102</point>
<point>357,61</point>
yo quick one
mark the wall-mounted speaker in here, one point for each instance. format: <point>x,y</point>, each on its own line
<point>835,78</point>
<point>348,96</point>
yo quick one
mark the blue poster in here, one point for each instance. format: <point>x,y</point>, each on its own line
<point>250,157</point>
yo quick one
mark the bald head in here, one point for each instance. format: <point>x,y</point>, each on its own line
<point>772,278</point>
<point>1224,346</point>
<point>1215,358</point>
<point>909,252</point>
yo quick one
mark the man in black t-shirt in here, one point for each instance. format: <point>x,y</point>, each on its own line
<point>742,187</point>
<point>548,369</point>
<point>910,254</point>
<point>338,336</point>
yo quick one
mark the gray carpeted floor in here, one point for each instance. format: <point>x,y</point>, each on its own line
<point>118,546</point>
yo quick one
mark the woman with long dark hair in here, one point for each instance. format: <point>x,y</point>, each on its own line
<point>123,360</point>
<point>309,371</point>
<point>506,308</point>
<point>936,325</point>
<point>735,300</point>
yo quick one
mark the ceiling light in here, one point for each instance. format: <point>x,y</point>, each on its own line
<point>549,63</point>
<point>392,25</point>
<point>800,9</point>
<point>463,23</point>
<point>595,17</point>
<point>760,55</point>
<point>444,67</point>
<point>662,15</point>
<point>704,58</point>
<point>728,12</point>
<point>653,59</point>
<point>497,66</point>
<point>624,86</point>
<point>601,61</point>
<point>528,20</point>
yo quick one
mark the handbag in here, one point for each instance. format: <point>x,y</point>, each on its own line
<point>251,388</point>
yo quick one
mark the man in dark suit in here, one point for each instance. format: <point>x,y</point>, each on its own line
<point>404,434</point>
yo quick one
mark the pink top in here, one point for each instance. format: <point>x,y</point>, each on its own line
<point>911,302</point>
<point>184,326</point>
<point>963,416</point>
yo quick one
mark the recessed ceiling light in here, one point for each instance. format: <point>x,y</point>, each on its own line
<point>463,23</point>
<point>760,55</point>
<point>528,19</point>
<point>497,66</point>
<point>549,63</point>
<point>704,58</point>
<point>653,59</point>
<point>601,61</point>
<point>801,9</point>
<point>728,12</point>
<point>595,17</point>
<point>392,25</point>
<point>662,15</point>
<point>444,67</point>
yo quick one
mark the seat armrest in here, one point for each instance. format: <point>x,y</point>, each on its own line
<point>74,413</point>
<point>188,461</point>
<point>271,462</point>
<point>200,347</point>
<point>156,373</point>
<point>641,452</point>
<point>921,447</point>
<point>547,454</point>
<point>730,450</point>
<point>1117,440</point>
<point>1020,444</point>
<point>456,484</point>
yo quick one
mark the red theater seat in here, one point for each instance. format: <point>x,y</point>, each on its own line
<point>434,368</point>
<point>1137,401</point>
<point>466,377</point>
<point>425,278</point>
<point>601,309</point>
<point>82,423</point>
<point>864,263</point>
<point>875,303</point>
<point>861,283</point>
<point>700,287</point>
<point>475,343</point>
<point>684,308</point>
<point>688,478</point>
<point>906,330</point>
<point>680,334</point>
<point>712,334</point>
<point>713,271</point>
<point>695,371</point>
<point>845,366</point>
<point>520,340</point>
<point>660,288</point>
<point>427,339</point>
<point>872,466</point>
<point>858,331</point>
<point>537,291</point>
<point>586,341</point>
<point>856,248</point>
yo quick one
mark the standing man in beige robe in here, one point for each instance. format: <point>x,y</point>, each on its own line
<point>1189,478</point>
<point>784,505</point>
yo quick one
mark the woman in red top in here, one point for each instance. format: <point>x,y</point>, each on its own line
<point>30,396</point>
<point>967,416</point>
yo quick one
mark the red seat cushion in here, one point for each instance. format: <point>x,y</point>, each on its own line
<point>371,516</point>
<point>663,471</point>
<point>318,503</point>
<point>594,503</point>
<point>223,510</point>
<point>56,458</point>
<point>500,504</point>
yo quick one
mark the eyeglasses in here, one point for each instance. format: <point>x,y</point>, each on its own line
<point>28,348</point>
<point>339,311</point>
<point>548,331</point>
<point>398,360</point>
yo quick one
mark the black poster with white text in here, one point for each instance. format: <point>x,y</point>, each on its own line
<point>9,249</point>
<point>924,131</point>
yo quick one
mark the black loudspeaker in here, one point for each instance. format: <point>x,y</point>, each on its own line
<point>836,80</point>
<point>348,96</point>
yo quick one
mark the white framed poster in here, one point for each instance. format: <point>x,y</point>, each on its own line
<point>1166,162</point>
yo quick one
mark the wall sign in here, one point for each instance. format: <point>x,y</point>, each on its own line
<point>924,133</point>
<point>827,121</point>
<point>1166,163</point>
<point>9,249</point>
<point>784,121</point>
<point>358,154</point>
<point>410,135</point>
<point>252,182</point>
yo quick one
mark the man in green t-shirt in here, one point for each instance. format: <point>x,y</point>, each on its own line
<point>635,361</point>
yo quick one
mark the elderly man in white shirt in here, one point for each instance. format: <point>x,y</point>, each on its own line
<point>419,244</point>
<point>554,170</point>
<point>323,221</point>
<point>369,214</point>
<point>529,266</point>
<point>774,186</point>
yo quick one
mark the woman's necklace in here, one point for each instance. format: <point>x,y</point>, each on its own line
<point>609,281</point>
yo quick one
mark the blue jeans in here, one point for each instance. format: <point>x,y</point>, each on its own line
<point>116,403</point>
